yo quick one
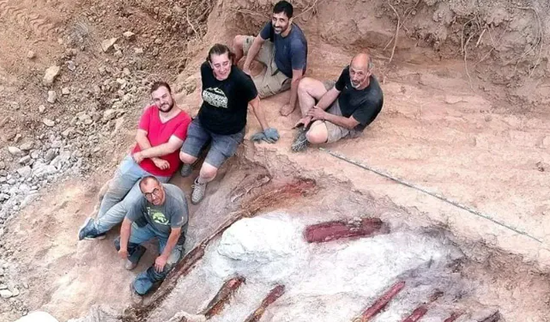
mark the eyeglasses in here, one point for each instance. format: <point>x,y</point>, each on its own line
<point>149,195</point>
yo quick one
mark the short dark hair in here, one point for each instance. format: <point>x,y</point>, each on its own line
<point>145,180</point>
<point>159,84</point>
<point>284,6</point>
<point>220,49</point>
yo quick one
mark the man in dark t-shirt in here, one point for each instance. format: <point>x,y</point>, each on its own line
<point>226,94</point>
<point>335,110</point>
<point>282,47</point>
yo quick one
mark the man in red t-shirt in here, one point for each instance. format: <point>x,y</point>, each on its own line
<point>161,132</point>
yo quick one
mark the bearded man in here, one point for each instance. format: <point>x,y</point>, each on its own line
<point>161,132</point>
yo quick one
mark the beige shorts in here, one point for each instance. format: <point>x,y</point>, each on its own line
<point>337,132</point>
<point>272,81</point>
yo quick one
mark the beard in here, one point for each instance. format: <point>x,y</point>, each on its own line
<point>165,108</point>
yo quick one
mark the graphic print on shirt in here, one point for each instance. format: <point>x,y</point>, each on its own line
<point>157,216</point>
<point>215,97</point>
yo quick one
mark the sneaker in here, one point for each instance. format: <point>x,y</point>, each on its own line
<point>300,143</point>
<point>198,191</point>
<point>186,170</point>
<point>88,231</point>
<point>129,265</point>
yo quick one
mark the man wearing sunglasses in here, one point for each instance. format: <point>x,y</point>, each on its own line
<point>160,213</point>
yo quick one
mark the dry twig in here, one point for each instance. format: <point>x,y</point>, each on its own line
<point>396,30</point>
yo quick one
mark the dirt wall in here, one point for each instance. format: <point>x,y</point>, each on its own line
<point>496,43</point>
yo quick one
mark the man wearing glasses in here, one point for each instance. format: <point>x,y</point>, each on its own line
<point>160,213</point>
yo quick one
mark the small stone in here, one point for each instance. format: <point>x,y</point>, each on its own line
<point>5,294</point>
<point>108,115</point>
<point>2,165</point>
<point>31,54</point>
<point>107,44</point>
<point>118,54</point>
<point>3,286</point>
<point>138,51</point>
<point>48,122</point>
<point>71,65</point>
<point>129,35</point>
<point>15,151</point>
<point>51,74</point>
<point>15,292</point>
<point>41,109</point>
<point>158,41</point>
<point>68,132</point>
<point>27,146</point>
<point>25,159</point>
<point>50,155</point>
<point>25,171</point>
<point>65,91</point>
<point>52,97</point>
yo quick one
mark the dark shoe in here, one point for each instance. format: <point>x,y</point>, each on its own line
<point>186,170</point>
<point>300,143</point>
<point>88,231</point>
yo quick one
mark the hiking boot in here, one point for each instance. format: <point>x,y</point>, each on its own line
<point>88,231</point>
<point>186,170</point>
<point>300,142</point>
<point>133,259</point>
<point>198,191</point>
<point>129,265</point>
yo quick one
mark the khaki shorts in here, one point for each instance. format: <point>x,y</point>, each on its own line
<point>336,132</point>
<point>272,81</point>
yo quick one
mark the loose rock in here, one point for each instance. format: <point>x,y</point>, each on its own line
<point>15,151</point>
<point>25,171</point>
<point>48,122</point>
<point>31,54</point>
<point>51,74</point>
<point>52,97</point>
<point>41,109</point>
<point>129,35</point>
<point>107,44</point>
<point>5,294</point>
<point>27,146</point>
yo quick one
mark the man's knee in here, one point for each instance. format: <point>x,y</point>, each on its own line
<point>305,84</point>
<point>186,158</point>
<point>317,134</point>
<point>208,171</point>
<point>238,42</point>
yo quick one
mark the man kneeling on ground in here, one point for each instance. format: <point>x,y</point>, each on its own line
<point>161,132</point>
<point>160,213</point>
<point>344,108</point>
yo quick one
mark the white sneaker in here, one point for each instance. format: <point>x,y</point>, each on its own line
<point>198,191</point>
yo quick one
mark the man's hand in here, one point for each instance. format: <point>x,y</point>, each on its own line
<point>161,164</point>
<point>123,253</point>
<point>160,262</point>
<point>316,113</point>
<point>246,70</point>
<point>304,121</point>
<point>138,157</point>
<point>286,109</point>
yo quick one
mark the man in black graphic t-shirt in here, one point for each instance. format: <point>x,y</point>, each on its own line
<point>335,110</point>
<point>226,93</point>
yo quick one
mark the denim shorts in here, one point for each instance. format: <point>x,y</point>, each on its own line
<point>222,147</point>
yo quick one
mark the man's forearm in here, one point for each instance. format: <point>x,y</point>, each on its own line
<point>252,52</point>
<point>327,99</point>
<point>172,241</point>
<point>125,234</point>
<point>157,151</point>
<point>259,113</point>
<point>294,91</point>
<point>143,142</point>
<point>340,121</point>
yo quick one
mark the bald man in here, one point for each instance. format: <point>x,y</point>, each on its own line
<point>335,110</point>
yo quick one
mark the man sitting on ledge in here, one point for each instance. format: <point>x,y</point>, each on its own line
<point>335,110</point>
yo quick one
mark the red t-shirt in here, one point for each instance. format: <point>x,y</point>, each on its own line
<point>159,133</point>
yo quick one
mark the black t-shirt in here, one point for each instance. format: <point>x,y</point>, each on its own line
<point>364,105</point>
<point>225,103</point>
